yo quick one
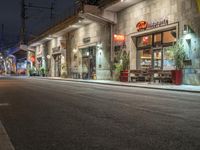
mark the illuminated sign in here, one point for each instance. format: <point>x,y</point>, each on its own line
<point>119,38</point>
<point>142,25</point>
<point>33,59</point>
<point>145,40</point>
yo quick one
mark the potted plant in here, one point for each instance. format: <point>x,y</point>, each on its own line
<point>42,70</point>
<point>179,55</point>
<point>117,71</point>
<point>125,65</point>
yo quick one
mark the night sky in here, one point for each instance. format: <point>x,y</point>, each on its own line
<point>39,19</point>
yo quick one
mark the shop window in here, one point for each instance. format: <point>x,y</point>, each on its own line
<point>169,36</point>
<point>145,57</point>
<point>157,40</point>
<point>144,41</point>
<point>168,62</point>
<point>157,59</point>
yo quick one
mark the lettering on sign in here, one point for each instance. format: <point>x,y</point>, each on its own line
<point>86,40</point>
<point>119,38</point>
<point>155,24</point>
<point>56,50</point>
<point>144,25</point>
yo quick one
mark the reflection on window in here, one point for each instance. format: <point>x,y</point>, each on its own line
<point>157,39</point>
<point>144,58</point>
<point>168,62</point>
<point>144,41</point>
<point>169,36</point>
<point>157,59</point>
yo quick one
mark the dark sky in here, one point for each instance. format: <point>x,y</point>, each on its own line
<point>39,18</point>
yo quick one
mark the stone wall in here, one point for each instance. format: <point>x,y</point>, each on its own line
<point>56,42</point>
<point>182,11</point>
<point>99,35</point>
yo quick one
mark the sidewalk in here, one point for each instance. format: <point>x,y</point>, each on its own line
<point>182,88</point>
<point>5,143</point>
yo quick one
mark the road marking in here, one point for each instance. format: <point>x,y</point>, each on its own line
<point>5,143</point>
<point>4,104</point>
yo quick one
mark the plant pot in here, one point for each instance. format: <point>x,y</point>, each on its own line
<point>177,77</point>
<point>124,76</point>
<point>115,75</point>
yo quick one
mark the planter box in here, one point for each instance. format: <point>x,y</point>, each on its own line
<point>124,76</point>
<point>177,77</point>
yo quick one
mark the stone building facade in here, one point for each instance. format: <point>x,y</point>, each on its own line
<point>179,13</point>
<point>90,51</point>
<point>84,47</point>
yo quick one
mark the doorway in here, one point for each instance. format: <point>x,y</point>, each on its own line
<point>57,65</point>
<point>89,62</point>
<point>157,57</point>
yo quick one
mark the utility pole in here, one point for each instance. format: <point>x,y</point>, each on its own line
<point>2,37</point>
<point>24,17</point>
<point>23,22</point>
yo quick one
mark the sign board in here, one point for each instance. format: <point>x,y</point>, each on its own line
<point>119,38</point>
<point>144,25</point>
<point>86,40</point>
<point>56,50</point>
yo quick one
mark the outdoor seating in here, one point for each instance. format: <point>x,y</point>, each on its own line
<point>160,76</point>
<point>134,75</point>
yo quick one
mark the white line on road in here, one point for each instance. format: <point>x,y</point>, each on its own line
<point>5,143</point>
<point>4,104</point>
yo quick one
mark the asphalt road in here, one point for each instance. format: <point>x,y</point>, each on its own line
<point>59,115</point>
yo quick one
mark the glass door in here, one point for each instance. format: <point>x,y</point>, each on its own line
<point>157,59</point>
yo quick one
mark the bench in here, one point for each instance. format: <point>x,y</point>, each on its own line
<point>161,76</point>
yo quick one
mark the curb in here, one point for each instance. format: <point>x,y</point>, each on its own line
<point>123,85</point>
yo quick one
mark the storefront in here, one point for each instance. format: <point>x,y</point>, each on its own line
<point>56,53</point>
<point>152,47</point>
<point>88,62</point>
<point>151,28</point>
<point>90,47</point>
<point>40,60</point>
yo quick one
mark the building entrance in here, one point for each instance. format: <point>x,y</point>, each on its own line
<point>157,58</point>
<point>89,62</point>
<point>57,65</point>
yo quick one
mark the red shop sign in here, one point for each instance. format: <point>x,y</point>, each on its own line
<point>142,25</point>
<point>33,59</point>
<point>119,38</point>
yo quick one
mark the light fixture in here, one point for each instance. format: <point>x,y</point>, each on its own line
<point>75,50</point>
<point>185,29</point>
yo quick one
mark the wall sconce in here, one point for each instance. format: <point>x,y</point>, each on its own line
<point>185,29</point>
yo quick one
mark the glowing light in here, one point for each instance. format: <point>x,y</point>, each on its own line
<point>119,38</point>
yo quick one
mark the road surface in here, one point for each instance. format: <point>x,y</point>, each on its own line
<point>58,115</point>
